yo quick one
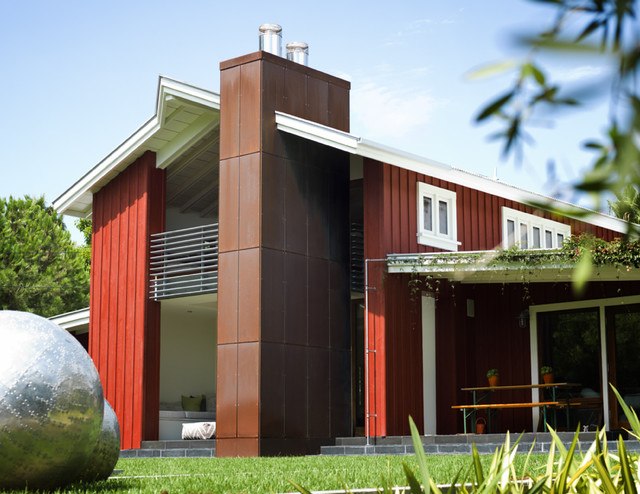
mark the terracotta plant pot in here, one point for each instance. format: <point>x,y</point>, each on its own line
<point>547,378</point>
<point>481,424</point>
<point>493,380</point>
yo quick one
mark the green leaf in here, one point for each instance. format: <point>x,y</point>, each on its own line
<point>491,69</point>
<point>414,485</point>
<point>494,106</point>
<point>582,272</point>
<point>420,457</point>
<point>590,28</point>
<point>603,475</point>
<point>477,464</point>
<point>625,470</point>
<point>629,412</point>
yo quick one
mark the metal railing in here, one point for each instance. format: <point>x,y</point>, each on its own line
<point>184,262</point>
<point>356,253</point>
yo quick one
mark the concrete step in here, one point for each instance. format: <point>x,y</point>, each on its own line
<point>173,449</point>
<point>460,444</point>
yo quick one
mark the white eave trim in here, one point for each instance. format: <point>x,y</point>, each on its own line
<point>370,149</point>
<point>72,320</point>
<point>64,204</point>
<point>456,268</point>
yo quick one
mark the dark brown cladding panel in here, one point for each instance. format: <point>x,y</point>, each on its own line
<point>230,114</point>
<point>227,392</point>
<point>248,389</point>
<point>248,213</point>
<point>250,86</point>
<point>229,209</point>
<point>229,277</point>
<point>283,242</point>
<point>249,301</point>
<point>269,57</point>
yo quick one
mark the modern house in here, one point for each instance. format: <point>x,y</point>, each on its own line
<point>233,236</point>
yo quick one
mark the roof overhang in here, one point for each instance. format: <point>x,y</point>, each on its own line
<point>481,267</point>
<point>161,134</point>
<point>76,321</point>
<point>369,149</point>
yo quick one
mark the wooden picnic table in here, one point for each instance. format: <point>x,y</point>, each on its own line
<point>481,393</point>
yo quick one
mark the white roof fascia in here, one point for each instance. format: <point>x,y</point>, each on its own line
<point>370,149</point>
<point>107,165</point>
<point>171,87</point>
<point>72,320</point>
<point>316,132</point>
<point>166,87</point>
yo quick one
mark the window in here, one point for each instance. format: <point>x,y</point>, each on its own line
<point>437,217</point>
<point>531,232</point>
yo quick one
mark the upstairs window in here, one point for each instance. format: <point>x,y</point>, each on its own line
<point>532,232</point>
<point>437,217</point>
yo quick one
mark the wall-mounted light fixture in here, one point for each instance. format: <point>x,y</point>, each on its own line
<point>523,319</point>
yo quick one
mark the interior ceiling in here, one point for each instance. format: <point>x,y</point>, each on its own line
<point>199,304</point>
<point>193,179</point>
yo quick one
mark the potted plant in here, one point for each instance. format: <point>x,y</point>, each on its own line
<point>492,376</point>
<point>546,372</point>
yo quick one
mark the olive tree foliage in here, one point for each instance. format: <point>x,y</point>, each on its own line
<point>41,269</point>
<point>603,28</point>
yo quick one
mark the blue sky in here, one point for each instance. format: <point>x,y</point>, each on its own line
<point>78,77</point>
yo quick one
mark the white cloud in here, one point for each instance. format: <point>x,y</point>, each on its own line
<point>385,114</point>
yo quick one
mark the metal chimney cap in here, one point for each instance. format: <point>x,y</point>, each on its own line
<point>297,45</point>
<point>270,28</point>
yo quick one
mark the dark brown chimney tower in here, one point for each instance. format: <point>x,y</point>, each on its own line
<point>283,380</point>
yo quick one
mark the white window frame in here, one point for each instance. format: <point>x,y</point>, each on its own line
<point>433,238</point>
<point>531,221</point>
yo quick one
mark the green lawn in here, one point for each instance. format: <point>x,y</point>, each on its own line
<point>263,475</point>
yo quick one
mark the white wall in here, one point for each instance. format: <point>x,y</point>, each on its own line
<point>188,353</point>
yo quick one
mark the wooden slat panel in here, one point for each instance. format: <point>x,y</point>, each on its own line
<point>124,329</point>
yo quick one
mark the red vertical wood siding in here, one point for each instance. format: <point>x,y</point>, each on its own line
<point>124,335</point>
<point>395,369</point>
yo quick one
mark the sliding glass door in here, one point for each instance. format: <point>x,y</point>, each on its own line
<point>623,355</point>
<point>569,341</point>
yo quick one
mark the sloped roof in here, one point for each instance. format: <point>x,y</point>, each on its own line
<point>184,114</point>
<point>169,136</point>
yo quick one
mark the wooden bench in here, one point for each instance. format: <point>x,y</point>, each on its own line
<point>470,410</point>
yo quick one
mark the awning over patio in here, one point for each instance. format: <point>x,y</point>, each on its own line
<point>544,266</point>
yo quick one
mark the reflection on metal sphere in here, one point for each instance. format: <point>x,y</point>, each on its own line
<point>107,450</point>
<point>51,403</point>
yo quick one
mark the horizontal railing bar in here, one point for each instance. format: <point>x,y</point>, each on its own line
<point>183,261</point>
<point>174,272</point>
<point>209,226</point>
<point>208,250</point>
<point>210,238</point>
<point>159,237</point>
<point>185,294</point>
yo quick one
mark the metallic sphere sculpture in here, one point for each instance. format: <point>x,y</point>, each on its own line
<point>51,403</point>
<point>107,450</point>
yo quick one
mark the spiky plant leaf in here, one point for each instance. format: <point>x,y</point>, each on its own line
<point>629,412</point>
<point>628,481</point>
<point>606,484</point>
<point>477,464</point>
<point>566,467</point>
<point>414,485</point>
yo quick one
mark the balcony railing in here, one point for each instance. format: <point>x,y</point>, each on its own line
<point>184,262</point>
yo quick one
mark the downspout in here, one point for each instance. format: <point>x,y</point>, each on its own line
<point>367,351</point>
